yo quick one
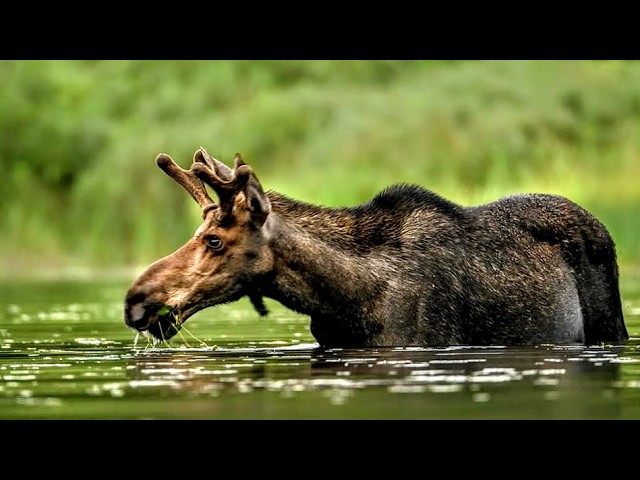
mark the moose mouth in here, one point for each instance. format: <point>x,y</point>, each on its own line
<point>167,324</point>
<point>156,321</point>
<point>159,325</point>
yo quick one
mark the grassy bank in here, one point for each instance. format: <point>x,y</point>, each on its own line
<point>78,141</point>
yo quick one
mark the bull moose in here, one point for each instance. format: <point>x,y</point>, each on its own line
<point>407,268</point>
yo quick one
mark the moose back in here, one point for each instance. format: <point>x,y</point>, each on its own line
<point>407,268</point>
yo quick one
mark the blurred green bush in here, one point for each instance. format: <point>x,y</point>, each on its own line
<point>78,140</point>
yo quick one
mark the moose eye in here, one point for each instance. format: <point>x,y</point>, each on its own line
<point>214,242</point>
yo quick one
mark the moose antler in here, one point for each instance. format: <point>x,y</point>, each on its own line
<point>227,183</point>
<point>187,179</point>
<point>216,165</point>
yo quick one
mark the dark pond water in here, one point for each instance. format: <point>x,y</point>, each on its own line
<point>66,354</point>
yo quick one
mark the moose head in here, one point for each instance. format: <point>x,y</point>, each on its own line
<point>218,264</point>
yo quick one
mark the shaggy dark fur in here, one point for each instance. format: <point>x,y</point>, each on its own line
<point>411,268</point>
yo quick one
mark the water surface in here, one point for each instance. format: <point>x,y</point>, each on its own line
<point>65,353</point>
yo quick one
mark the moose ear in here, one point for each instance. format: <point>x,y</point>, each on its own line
<point>257,201</point>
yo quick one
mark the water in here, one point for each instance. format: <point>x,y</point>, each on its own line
<point>66,354</point>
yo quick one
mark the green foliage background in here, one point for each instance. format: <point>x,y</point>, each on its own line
<point>78,140</point>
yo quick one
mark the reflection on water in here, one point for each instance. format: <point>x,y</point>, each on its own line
<point>304,381</point>
<point>65,353</point>
<point>394,369</point>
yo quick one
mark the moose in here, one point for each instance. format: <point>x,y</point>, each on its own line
<point>407,268</point>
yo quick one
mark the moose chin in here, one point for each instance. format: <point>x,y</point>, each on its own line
<point>407,268</point>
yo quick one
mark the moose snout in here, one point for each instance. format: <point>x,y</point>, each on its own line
<point>135,317</point>
<point>146,311</point>
<point>136,311</point>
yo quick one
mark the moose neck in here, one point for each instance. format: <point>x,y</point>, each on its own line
<point>322,265</point>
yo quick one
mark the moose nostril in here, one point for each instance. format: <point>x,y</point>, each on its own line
<point>135,316</point>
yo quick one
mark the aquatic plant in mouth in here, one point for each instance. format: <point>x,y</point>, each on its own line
<point>167,314</point>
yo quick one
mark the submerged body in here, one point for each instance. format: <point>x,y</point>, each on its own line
<point>408,268</point>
